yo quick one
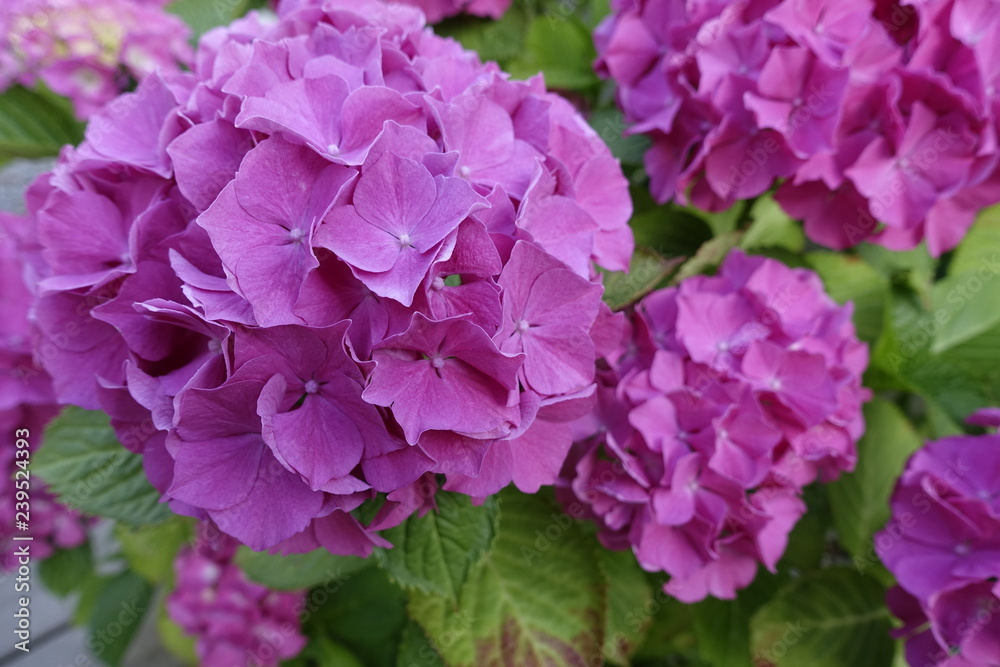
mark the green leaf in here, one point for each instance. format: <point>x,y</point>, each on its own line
<point>860,500</point>
<point>435,552</point>
<point>722,628</point>
<point>829,618</point>
<point>849,278</point>
<point>669,230</point>
<point>365,612</point>
<point>116,616</point>
<point>709,256</point>
<point>174,639</point>
<point>416,650</point>
<point>561,49</point>
<point>538,598</point>
<point>324,651</point>
<point>772,228</point>
<point>492,40</point>
<point>203,15</point>
<point>967,302</point>
<point>66,570</point>
<point>646,271</point>
<point>35,124</point>
<point>150,550</point>
<point>902,360</point>
<point>610,126</point>
<point>964,306</point>
<point>628,590</point>
<point>297,571</point>
<point>84,464</point>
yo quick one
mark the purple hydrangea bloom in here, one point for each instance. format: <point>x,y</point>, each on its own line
<point>727,395</point>
<point>877,120</point>
<point>290,306</point>
<point>436,10</point>
<point>26,402</point>
<point>236,623</point>
<point>943,545</point>
<point>89,50</point>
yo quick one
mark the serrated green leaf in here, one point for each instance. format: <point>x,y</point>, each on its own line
<point>86,467</point>
<point>435,552</point>
<point>539,597</point>
<point>416,650</point>
<point>151,550</point>
<point>829,618</point>
<point>628,590</point>
<point>860,500</point>
<point>116,615</point>
<point>66,570</point>
<point>297,571</point>
<point>33,124</point>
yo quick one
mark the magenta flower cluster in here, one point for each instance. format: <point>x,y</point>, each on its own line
<point>879,119</point>
<point>27,403</point>
<point>88,50</point>
<point>235,622</point>
<point>339,256</point>
<point>728,395</point>
<point>943,545</point>
<point>436,10</point>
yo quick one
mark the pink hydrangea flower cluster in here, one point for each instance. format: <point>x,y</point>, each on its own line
<point>943,545</point>
<point>728,395</point>
<point>236,622</point>
<point>437,10</point>
<point>340,255</point>
<point>878,118</point>
<point>27,403</point>
<point>88,50</point>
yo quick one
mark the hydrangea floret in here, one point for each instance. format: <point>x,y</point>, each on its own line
<point>877,119</point>
<point>338,259</point>
<point>727,396</point>
<point>943,546</point>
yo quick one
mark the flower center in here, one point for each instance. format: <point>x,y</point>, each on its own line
<point>523,325</point>
<point>296,235</point>
<point>404,241</point>
<point>312,387</point>
<point>437,362</point>
<point>437,284</point>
